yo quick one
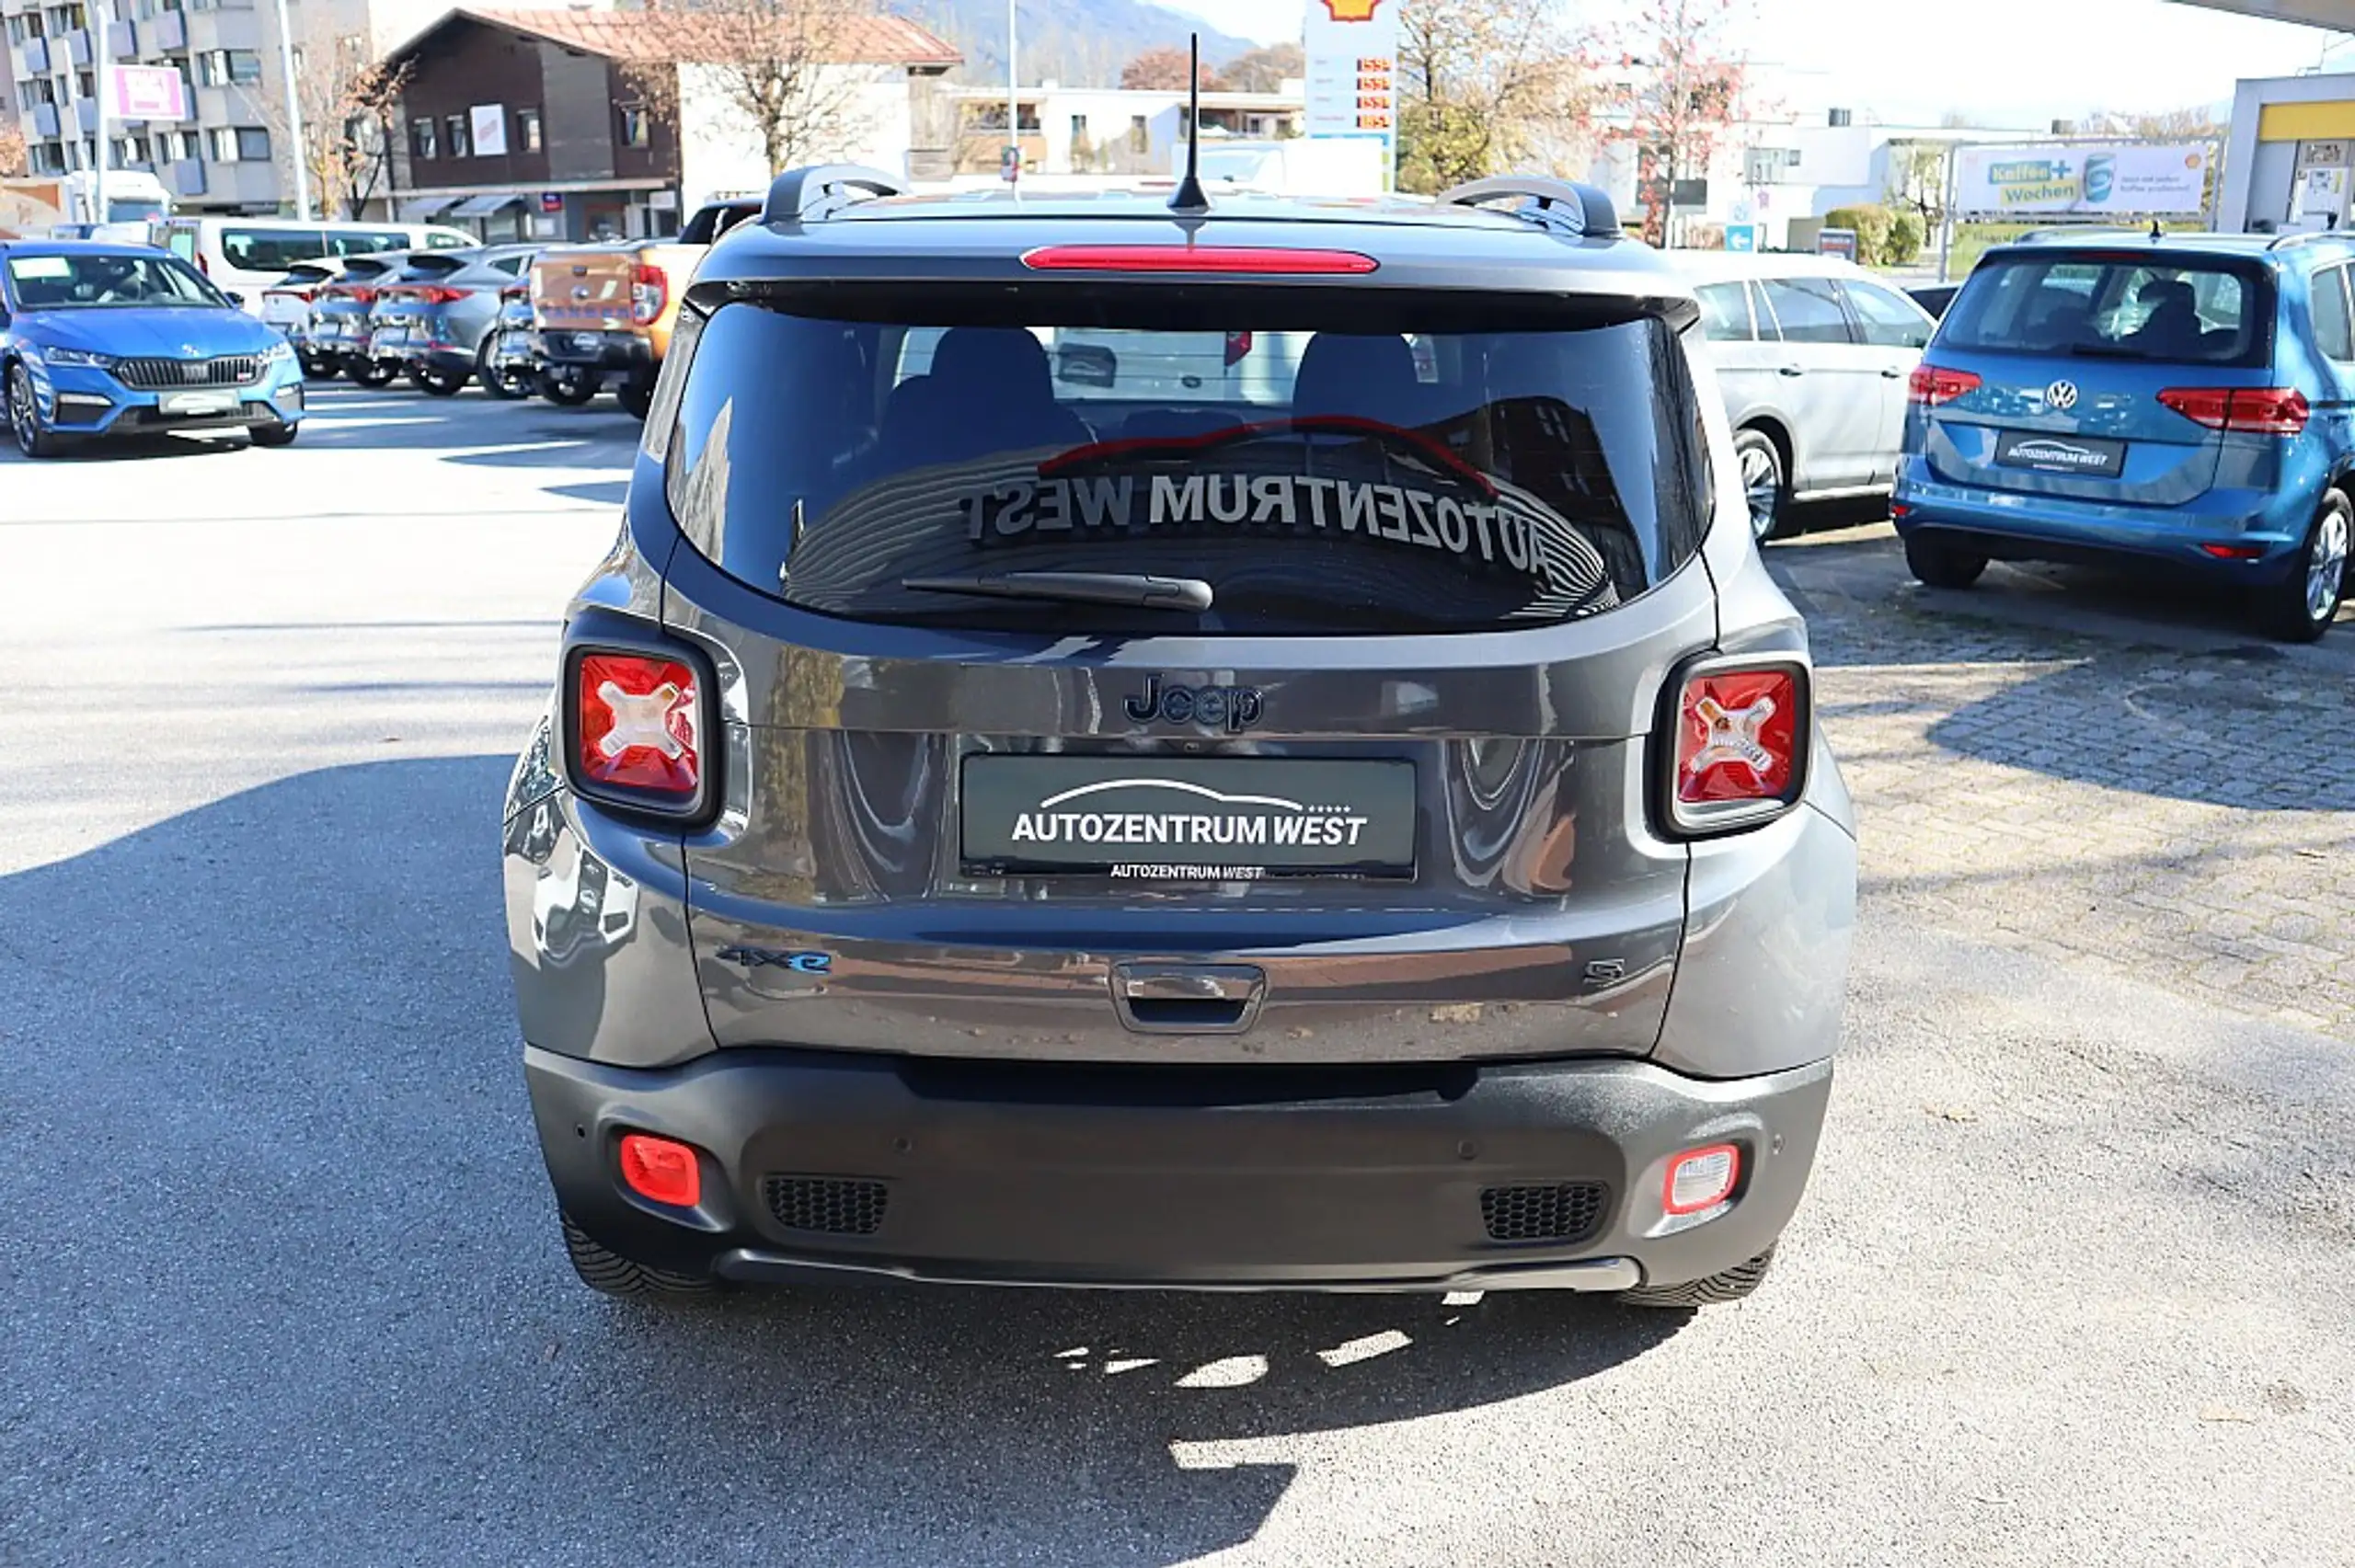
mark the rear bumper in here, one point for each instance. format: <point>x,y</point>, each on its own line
<point>1248,1178</point>
<point>2019,525</point>
<point>627,353</point>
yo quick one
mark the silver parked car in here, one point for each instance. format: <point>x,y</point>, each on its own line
<point>1361,827</point>
<point>1812,353</point>
<point>434,319</point>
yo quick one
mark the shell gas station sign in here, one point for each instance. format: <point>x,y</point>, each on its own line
<point>1353,49</point>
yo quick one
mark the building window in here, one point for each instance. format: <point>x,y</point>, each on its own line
<point>223,67</point>
<point>421,144</point>
<point>527,130</point>
<point>453,135</point>
<point>253,144</point>
<point>221,145</point>
<point>238,144</point>
<point>1140,134</point>
<point>637,131</point>
<point>86,83</point>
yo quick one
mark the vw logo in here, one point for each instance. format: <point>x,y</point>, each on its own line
<point>2061,395</point>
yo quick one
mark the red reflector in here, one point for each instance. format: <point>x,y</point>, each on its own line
<point>1701,1178</point>
<point>638,721</point>
<point>2260,410</point>
<point>1737,735</point>
<point>1227,258</point>
<point>1238,344</point>
<point>1930,385</point>
<point>2234,552</point>
<point>1899,509</point>
<point>662,1170</point>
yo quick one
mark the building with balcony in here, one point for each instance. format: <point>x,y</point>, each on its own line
<point>232,155</point>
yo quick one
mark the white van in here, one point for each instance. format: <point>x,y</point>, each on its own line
<point>248,255</point>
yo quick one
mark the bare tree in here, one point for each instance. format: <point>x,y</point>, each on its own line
<point>2198,123</point>
<point>350,101</point>
<point>1164,67</point>
<point>1684,93</point>
<point>1265,69</point>
<point>1483,88</point>
<point>786,69</point>
<point>1917,179</point>
<point>13,155</point>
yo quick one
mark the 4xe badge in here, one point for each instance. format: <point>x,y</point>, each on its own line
<point>772,958</point>
<point>1231,708</point>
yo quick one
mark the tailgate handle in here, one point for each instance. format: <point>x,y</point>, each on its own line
<point>1788,370</point>
<point>1187,998</point>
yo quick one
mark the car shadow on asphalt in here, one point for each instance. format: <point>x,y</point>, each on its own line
<point>272,1038</point>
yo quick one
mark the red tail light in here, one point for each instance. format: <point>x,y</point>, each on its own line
<point>1741,744</point>
<point>303,294</point>
<point>1268,261</point>
<point>514,292</point>
<point>1932,384</point>
<point>649,290</point>
<point>662,1170</point>
<point>360,293</point>
<point>1238,344</point>
<point>424,293</point>
<point>637,730</point>
<point>2266,411</point>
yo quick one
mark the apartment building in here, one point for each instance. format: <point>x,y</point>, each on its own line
<point>231,157</point>
<point>1107,130</point>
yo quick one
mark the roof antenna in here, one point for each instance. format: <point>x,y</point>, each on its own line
<point>1189,197</point>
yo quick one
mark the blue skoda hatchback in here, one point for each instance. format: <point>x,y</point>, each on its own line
<point>100,339</point>
<point>2186,401</point>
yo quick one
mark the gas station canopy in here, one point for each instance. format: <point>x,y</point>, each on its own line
<point>2338,14</point>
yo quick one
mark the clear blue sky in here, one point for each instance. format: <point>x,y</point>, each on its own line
<point>2006,60</point>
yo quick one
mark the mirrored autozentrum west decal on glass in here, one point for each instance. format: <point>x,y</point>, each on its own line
<point>1188,818</point>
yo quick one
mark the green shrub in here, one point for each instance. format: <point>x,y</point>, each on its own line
<point>1871,222</point>
<point>1905,237</point>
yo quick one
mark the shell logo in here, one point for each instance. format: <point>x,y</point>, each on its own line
<point>1350,10</point>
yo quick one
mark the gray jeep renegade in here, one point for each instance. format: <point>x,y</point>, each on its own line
<point>1127,743</point>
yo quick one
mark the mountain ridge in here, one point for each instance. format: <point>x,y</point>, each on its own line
<point>1076,42</point>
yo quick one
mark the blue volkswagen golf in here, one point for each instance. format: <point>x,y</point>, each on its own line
<point>2186,401</point>
<point>100,340</point>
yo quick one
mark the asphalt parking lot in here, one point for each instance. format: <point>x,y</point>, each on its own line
<point>279,1272</point>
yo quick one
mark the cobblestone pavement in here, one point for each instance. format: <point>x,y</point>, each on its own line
<point>2147,788</point>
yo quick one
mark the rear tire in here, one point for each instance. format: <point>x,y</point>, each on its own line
<point>368,373</point>
<point>1709,1291</point>
<point>435,382</point>
<point>504,385</point>
<point>635,397</point>
<point>603,1269</point>
<point>317,369</point>
<point>1942,565</point>
<point>2300,607</point>
<point>569,388</point>
<point>272,435</point>
<point>1765,483</point>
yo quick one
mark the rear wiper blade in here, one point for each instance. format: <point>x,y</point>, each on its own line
<point>2106,352</point>
<point>1134,588</point>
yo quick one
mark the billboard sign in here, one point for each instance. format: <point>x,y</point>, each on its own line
<point>1840,242</point>
<point>1352,47</point>
<point>487,121</point>
<point>146,92</point>
<point>2139,180</point>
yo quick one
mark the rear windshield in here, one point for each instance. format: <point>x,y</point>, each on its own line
<point>1321,475</point>
<point>2157,308</point>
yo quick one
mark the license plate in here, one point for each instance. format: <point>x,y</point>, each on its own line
<point>2082,456</point>
<point>588,342</point>
<point>197,402</point>
<point>1204,819</point>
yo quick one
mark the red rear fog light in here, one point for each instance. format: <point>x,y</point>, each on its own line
<point>637,726</point>
<point>1701,1178</point>
<point>662,1170</point>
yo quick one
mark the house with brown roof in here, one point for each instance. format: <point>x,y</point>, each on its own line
<point>575,124</point>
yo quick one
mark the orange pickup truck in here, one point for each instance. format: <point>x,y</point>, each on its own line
<point>604,312</point>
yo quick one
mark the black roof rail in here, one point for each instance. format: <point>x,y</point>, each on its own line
<point>1564,203</point>
<point>796,193</point>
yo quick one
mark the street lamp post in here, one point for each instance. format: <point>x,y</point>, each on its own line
<point>98,168</point>
<point>1012,109</point>
<point>293,116</point>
